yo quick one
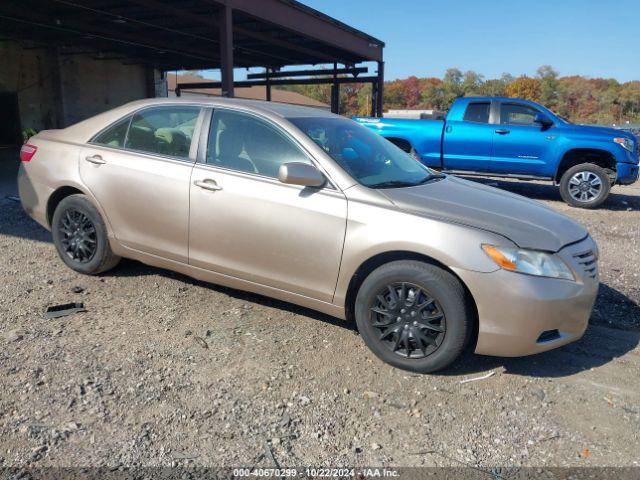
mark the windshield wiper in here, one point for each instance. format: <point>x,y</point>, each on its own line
<point>434,176</point>
<point>404,183</point>
<point>393,184</point>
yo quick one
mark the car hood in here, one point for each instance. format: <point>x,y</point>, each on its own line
<point>601,131</point>
<point>527,223</point>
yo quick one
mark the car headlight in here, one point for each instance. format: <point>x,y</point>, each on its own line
<point>531,262</point>
<point>625,143</point>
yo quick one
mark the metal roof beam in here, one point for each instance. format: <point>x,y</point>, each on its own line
<point>305,21</point>
<point>305,73</point>
<point>213,22</point>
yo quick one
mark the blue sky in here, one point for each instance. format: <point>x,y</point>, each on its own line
<point>597,38</point>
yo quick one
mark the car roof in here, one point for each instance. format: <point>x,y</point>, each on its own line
<point>285,110</point>
<point>82,131</point>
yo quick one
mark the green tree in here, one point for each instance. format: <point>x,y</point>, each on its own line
<point>472,83</point>
<point>432,94</point>
<point>493,88</point>
<point>451,87</point>
<point>548,79</point>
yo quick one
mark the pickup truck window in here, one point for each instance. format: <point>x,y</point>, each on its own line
<point>515,114</point>
<point>477,112</point>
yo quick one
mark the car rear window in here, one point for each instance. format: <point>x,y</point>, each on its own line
<point>163,130</point>
<point>477,112</point>
<point>115,135</point>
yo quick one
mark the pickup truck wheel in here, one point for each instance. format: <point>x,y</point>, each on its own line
<point>585,186</point>
<point>80,236</point>
<point>413,315</point>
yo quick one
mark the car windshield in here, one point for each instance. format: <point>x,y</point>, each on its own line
<point>369,158</point>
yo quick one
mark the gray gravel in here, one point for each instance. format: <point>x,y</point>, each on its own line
<point>163,370</point>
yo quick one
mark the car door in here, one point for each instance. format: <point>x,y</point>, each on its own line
<point>139,170</point>
<point>467,144</point>
<point>520,145</point>
<point>247,224</point>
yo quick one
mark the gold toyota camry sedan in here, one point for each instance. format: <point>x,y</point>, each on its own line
<point>311,208</point>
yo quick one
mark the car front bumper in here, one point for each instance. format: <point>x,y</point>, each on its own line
<point>522,314</point>
<point>627,173</point>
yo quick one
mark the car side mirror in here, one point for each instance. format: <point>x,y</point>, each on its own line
<point>298,173</point>
<point>542,120</point>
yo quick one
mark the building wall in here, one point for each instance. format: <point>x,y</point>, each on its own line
<point>55,90</point>
<point>92,86</point>
<point>29,73</point>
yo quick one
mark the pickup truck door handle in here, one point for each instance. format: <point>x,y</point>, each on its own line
<point>503,131</point>
<point>207,184</point>
<point>96,159</point>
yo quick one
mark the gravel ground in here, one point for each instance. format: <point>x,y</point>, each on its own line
<point>163,370</point>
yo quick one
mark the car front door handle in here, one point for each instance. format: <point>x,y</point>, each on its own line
<point>503,131</point>
<point>96,159</point>
<point>208,184</point>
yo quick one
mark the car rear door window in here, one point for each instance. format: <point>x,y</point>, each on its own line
<point>516,114</point>
<point>477,112</point>
<point>115,135</point>
<point>244,143</point>
<point>163,130</point>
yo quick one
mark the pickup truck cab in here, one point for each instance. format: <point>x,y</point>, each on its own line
<point>508,137</point>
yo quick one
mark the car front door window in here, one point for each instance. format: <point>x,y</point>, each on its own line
<point>244,143</point>
<point>514,114</point>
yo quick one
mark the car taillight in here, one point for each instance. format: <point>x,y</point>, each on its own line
<point>27,152</point>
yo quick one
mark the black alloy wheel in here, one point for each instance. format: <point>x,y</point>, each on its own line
<point>77,235</point>
<point>414,315</point>
<point>411,322</point>
<point>81,237</point>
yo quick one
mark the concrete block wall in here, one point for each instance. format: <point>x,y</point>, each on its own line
<point>92,86</point>
<point>30,73</point>
<point>57,90</point>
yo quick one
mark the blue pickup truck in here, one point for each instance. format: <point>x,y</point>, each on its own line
<point>507,137</point>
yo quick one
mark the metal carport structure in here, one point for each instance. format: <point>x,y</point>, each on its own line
<point>195,34</point>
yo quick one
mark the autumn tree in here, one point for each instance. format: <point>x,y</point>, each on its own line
<point>630,100</point>
<point>580,99</point>
<point>411,93</point>
<point>524,87</point>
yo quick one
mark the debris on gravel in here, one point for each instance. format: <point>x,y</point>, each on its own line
<point>163,370</point>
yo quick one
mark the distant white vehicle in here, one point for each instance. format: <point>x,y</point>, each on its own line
<point>415,114</point>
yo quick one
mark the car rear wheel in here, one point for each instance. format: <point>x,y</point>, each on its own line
<point>585,186</point>
<point>80,236</point>
<point>413,315</point>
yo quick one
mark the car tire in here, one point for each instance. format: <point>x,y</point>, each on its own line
<point>427,328</point>
<point>80,236</point>
<point>585,186</point>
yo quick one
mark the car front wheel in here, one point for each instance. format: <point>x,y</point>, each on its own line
<point>413,315</point>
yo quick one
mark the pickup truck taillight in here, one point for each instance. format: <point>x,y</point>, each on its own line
<point>27,152</point>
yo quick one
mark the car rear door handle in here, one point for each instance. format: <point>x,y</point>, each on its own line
<point>503,131</point>
<point>207,184</point>
<point>97,159</point>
